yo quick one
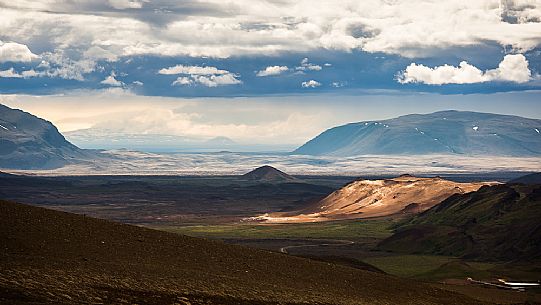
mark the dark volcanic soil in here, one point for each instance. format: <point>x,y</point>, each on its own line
<point>165,199</point>
<point>55,257</point>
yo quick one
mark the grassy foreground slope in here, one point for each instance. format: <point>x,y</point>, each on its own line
<point>55,257</point>
<point>499,222</point>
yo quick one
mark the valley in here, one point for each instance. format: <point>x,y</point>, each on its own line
<point>166,199</point>
<point>222,208</point>
<point>275,152</point>
<point>55,257</point>
<point>139,227</point>
<point>184,200</point>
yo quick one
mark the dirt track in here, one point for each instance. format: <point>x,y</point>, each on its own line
<point>333,242</point>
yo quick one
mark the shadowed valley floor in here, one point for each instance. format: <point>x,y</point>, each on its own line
<point>56,257</point>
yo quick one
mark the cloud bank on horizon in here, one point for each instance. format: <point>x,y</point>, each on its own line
<point>241,47</point>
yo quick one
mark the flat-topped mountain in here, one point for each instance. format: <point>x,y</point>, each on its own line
<point>51,257</point>
<point>28,142</point>
<point>445,132</point>
<point>376,198</point>
<point>268,173</point>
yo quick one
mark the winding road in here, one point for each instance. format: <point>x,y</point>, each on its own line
<point>333,242</point>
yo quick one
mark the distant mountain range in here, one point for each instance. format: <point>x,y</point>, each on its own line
<point>29,142</point>
<point>113,139</point>
<point>445,132</point>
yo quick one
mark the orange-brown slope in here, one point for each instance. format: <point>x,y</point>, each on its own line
<point>61,258</point>
<point>377,198</point>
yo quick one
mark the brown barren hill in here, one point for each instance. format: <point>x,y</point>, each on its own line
<point>61,258</point>
<point>377,198</point>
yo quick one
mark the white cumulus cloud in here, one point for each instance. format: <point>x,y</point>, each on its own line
<point>58,64</point>
<point>183,81</point>
<point>11,73</point>
<point>15,52</point>
<point>192,70</point>
<point>311,84</point>
<point>339,84</point>
<point>112,81</point>
<point>125,4</point>
<point>306,65</point>
<point>272,70</point>
<point>206,27</point>
<point>513,68</point>
<point>218,80</point>
<point>207,76</point>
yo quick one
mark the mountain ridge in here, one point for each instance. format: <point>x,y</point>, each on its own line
<point>30,142</point>
<point>498,222</point>
<point>534,178</point>
<point>442,132</point>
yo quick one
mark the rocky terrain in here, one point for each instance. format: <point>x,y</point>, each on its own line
<point>377,198</point>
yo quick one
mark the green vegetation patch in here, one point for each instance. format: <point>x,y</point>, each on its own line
<point>408,265</point>
<point>334,230</point>
<point>430,267</point>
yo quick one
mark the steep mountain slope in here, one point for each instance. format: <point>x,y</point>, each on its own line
<point>495,222</point>
<point>60,258</point>
<point>534,178</point>
<point>268,174</point>
<point>447,132</point>
<point>28,142</point>
<point>376,198</point>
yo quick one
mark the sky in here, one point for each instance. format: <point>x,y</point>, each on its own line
<point>274,72</point>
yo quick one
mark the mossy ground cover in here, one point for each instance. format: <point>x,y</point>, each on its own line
<point>408,265</point>
<point>332,230</point>
<point>431,267</point>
